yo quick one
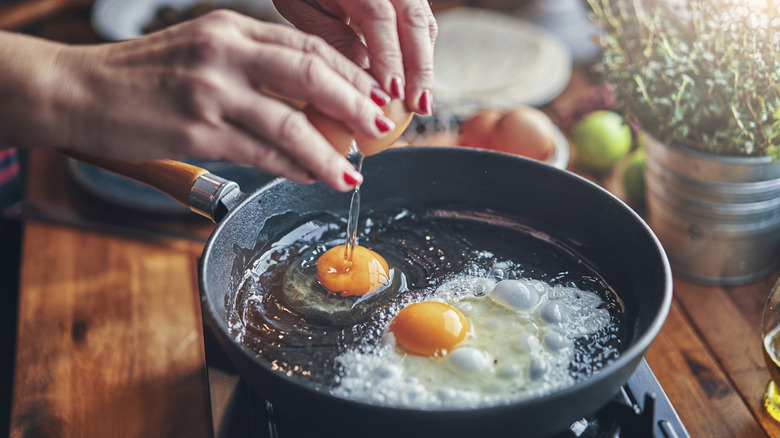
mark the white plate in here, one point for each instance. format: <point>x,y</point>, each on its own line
<point>487,59</point>
<point>116,20</point>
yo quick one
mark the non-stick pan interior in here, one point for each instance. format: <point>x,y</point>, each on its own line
<point>580,215</point>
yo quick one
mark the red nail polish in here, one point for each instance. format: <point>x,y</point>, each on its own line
<point>384,124</point>
<point>397,87</point>
<point>352,178</point>
<point>379,96</point>
<point>425,103</point>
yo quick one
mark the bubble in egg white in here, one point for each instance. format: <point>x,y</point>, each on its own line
<point>554,312</point>
<point>588,300</point>
<point>515,295</point>
<point>595,319</point>
<point>498,273</point>
<point>509,371</point>
<point>555,341</point>
<point>456,289</point>
<point>538,368</point>
<point>414,394</point>
<point>468,360</point>
<point>528,344</point>
<point>557,293</point>
<point>447,394</point>
<point>540,286</point>
<point>389,371</point>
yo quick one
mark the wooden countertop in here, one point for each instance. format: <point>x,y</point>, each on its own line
<point>110,342</point>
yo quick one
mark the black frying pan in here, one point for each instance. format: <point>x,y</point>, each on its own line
<point>579,214</point>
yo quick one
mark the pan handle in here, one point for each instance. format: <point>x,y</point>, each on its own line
<point>203,192</point>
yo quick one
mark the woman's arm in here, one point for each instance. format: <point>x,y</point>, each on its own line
<point>193,90</point>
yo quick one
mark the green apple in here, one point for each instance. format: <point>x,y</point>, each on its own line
<point>634,177</point>
<point>600,139</point>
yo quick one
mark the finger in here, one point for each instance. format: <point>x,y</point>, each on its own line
<point>308,43</point>
<point>377,20</point>
<point>306,68</point>
<point>433,28</point>
<point>291,133</point>
<point>417,32</point>
<point>236,144</point>
<point>309,78</point>
<point>331,26</point>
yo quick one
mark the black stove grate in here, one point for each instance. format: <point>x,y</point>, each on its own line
<point>640,410</point>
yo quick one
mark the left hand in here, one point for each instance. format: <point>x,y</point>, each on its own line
<point>399,38</point>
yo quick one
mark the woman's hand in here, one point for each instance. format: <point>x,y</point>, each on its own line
<point>399,37</point>
<point>199,89</point>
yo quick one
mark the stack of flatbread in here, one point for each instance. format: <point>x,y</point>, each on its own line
<point>487,59</point>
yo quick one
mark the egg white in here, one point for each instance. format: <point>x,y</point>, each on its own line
<point>520,344</point>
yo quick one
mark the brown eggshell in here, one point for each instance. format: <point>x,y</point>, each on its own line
<point>396,111</point>
<point>341,137</point>
<point>477,130</point>
<point>334,131</point>
<point>525,131</point>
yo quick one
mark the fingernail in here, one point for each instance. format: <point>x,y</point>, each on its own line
<point>425,103</point>
<point>352,177</point>
<point>397,87</point>
<point>383,124</point>
<point>379,96</point>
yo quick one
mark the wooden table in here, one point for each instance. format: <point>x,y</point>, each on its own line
<point>110,342</point>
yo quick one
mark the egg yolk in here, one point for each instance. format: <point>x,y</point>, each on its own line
<point>429,328</point>
<point>365,273</point>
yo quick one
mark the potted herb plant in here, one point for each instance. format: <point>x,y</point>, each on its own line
<point>701,80</point>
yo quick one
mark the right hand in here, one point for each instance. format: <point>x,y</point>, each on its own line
<point>399,38</point>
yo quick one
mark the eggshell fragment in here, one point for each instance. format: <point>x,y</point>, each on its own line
<point>341,137</point>
<point>396,111</point>
<point>334,131</point>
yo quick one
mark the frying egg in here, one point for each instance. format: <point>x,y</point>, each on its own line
<point>518,342</point>
<point>364,274</point>
<point>341,137</point>
<point>429,328</point>
<point>323,287</point>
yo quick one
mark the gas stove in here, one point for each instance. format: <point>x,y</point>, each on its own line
<point>640,409</point>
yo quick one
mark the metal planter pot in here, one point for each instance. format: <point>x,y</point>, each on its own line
<point>717,217</point>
